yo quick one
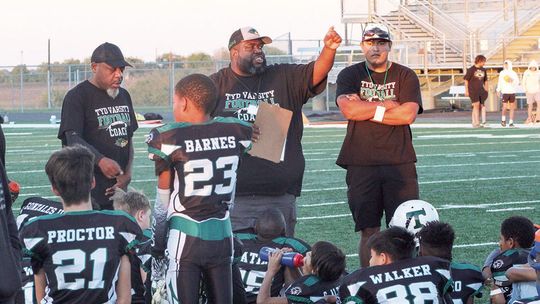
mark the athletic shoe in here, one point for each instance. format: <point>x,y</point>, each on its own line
<point>503,123</point>
<point>511,125</point>
<point>475,126</point>
<point>483,125</point>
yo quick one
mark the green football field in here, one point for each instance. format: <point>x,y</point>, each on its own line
<point>474,177</point>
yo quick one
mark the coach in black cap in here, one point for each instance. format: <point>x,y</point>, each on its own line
<point>242,86</point>
<point>98,114</point>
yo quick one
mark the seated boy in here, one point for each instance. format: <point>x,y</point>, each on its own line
<point>270,230</point>
<point>437,239</point>
<point>323,269</point>
<point>196,161</point>
<point>137,205</point>
<point>394,276</point>
<point>515,240</point>
<point>79,256</point>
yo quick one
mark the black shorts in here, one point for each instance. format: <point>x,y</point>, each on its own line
<point>511,98</point>
<point>479,96</point>
<point>374,189</point>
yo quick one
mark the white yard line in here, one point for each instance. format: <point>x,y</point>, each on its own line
<point>510,209</point>
<point>322,204</point>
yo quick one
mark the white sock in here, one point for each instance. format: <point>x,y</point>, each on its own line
<point>511,121</point>
<point>503,118</point>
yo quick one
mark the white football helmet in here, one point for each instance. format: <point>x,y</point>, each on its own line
<point>413,215</point>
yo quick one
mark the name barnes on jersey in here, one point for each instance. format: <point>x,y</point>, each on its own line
<point>408,272</point>
<point>82,234</point>
<point>208,144</point>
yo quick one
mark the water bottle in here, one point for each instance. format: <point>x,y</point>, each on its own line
<point>290,259</point>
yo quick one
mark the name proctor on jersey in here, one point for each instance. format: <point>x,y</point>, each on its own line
<point>409,272</point>
<point>209,144</point>
<point>83,234</point>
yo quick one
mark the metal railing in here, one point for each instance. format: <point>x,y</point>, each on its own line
<point>511,31</point>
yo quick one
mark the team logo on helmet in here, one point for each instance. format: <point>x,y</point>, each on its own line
<point>413,215</point>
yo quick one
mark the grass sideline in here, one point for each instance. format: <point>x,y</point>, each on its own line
<point>474,177</point>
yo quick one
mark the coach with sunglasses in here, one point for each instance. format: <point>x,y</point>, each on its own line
<point>247,82</point>
<point>380,99</point>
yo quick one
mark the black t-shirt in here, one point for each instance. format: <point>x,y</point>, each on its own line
<point>253,269</point>
<point>370,143</point>
<point>504,261</point>
<point>204,157</point>
<point>468,282</point>
<point>290,86</point>
<point>476,77</point>
<point>426,278</point>
<point>310,289</point>
<point>80,252</point>
<point>105,123</point>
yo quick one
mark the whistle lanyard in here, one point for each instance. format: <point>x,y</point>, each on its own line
<point>385,74</point>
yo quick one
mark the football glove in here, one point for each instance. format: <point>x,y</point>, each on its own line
<point>159,272</point>
<point>159,292</point>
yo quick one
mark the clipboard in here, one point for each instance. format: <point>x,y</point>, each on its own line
<point>274,122</point>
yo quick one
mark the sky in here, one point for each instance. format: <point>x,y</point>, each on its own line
<point>145,28</point>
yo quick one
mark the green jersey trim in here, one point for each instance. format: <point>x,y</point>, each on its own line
<point>158,153</point>
<point>464,266</point>
<point>178,125</point>
<point>208,230</point>
<point>299,299</point>
<point>353,299</point>
<point>78,213</point>
<point>312,280</point>
<point>246,236</point>
<point>296,245</point>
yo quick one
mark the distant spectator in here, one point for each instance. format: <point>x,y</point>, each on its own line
<point>531,84</point>
<point>508,82</point>
<point>476,87</point>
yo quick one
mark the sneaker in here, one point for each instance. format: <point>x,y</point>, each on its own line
<point>503,123</point>
<point>475,126</point>
<point>511,125</point>
<point>483,125</point>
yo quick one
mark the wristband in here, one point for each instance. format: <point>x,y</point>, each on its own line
<point>495,292</point>
<point>379,114</point>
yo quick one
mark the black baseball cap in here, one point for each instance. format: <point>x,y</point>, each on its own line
<point>110,54</point>
<point>376,31</point>
<point>247,33</point>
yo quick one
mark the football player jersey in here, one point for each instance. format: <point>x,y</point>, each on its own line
<point>310,289</point>
<point>253,269</point>
<point>30,208</point>
<point>141,260</point>
<point>468,282</point>
<point>80,253</point>
<point>504,261</point>
<point>204,158</point>
<point>419,279</point>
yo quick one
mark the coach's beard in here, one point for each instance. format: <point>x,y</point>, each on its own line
<point>113,92</point>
